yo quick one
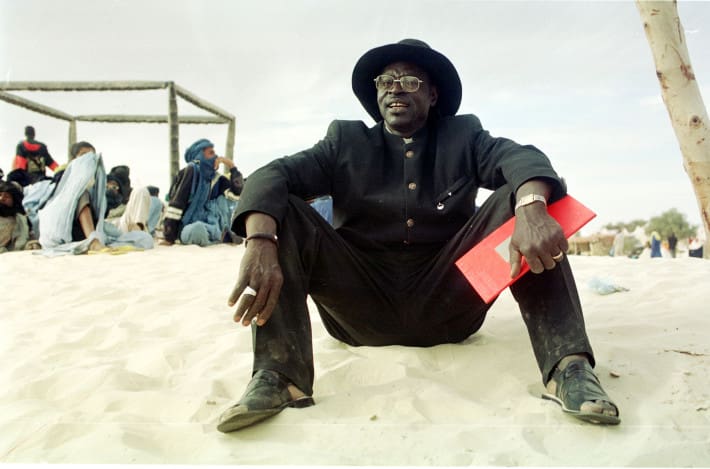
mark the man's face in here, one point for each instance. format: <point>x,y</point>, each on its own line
<point>209,153</point>
<point>403,112</point>
<point>6,199</point>
<point>83,150</point>
<point>113,186</point>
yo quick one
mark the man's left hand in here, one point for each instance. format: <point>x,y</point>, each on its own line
<point>538,237</point>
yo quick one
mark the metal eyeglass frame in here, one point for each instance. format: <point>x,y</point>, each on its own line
<point>399,80</point>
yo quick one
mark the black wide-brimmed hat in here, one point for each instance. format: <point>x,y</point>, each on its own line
<point>439,68</point>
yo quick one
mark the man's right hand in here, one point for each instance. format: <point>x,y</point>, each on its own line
<point>229,164</point>
<point>259,270</point>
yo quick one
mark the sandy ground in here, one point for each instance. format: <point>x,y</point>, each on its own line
<point>131,359</point>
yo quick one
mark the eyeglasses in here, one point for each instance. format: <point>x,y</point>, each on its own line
<point>408,83</point>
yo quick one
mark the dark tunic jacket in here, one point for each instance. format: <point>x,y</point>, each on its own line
<point>34,158</point>
<point>393,192</point>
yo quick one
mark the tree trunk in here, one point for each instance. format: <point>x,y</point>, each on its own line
<point>682,98</point>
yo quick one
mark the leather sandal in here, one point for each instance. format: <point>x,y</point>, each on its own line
<point>577,384</point>
<point>266,395</point>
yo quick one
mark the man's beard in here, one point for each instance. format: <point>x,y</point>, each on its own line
<point>113,199</point>
<point>6,211</point>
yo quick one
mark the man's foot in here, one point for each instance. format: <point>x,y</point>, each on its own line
<point>32,245</point>
<point>576,388</point>
<point>96,245</point>
<point>267,394</point>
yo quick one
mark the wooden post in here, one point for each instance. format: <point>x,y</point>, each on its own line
<point>174,126</point>
<point>682,97</point>
<point>230,140</point>
<point>72,135</point>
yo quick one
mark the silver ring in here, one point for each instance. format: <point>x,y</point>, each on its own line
<point>249,291</point>
<point>558,257</point>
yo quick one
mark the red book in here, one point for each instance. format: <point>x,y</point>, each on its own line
<point>487,267</point>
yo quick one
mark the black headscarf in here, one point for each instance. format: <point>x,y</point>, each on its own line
<point>20,176</point>
<point>15,190</point>
<point>114,198</point>
<point>122,175</point>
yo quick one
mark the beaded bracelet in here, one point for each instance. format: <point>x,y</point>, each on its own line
<point>269,236</point>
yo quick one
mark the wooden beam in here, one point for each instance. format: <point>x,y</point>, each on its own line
<point>201,103</point>
<point>34,106</point>
<point>82,85</point>
<point>150,119</point>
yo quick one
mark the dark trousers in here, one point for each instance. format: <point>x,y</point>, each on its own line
<point>374,295</point>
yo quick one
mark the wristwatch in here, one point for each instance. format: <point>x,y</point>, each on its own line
<point>529,199</point>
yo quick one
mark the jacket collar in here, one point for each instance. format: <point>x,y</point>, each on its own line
<point>376,134</point>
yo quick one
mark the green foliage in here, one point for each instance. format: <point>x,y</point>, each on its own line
<point>671,221</point>
<point>630,226</point>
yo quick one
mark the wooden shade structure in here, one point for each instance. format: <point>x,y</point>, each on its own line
<point>171,117</point>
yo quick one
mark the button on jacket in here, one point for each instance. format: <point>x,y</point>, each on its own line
<point>392,190</point>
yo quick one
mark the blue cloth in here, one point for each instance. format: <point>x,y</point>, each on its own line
<point>85,173</point>
<point>156,209</point>
<point>219,212</point>
<point>324,206</point>
<point>199,233</point>
<point>655,247</point>
<point>35,196</point>
<point>203,172</point>
<point>218,217</point>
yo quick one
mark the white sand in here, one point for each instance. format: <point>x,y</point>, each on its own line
<point>131,358</point>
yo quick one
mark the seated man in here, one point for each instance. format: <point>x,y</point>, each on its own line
<point>403,197</point>
<point>114,198</point>
<point>127,209</point>
<point>72,219</point>
<point>14,229</point>
<point>85,216</point>
<point>201,200</point>
<point>122,173</point>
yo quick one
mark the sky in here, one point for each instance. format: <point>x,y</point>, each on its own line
<point>575,79</point>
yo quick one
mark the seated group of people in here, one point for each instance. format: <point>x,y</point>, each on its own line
<point>84,209</point>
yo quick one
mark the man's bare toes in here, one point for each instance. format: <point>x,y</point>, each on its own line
<point>96,245</point>
<point>598,407</point>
